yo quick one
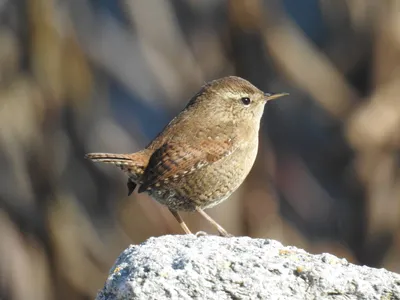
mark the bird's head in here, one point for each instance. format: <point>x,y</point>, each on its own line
<point>232,99</point>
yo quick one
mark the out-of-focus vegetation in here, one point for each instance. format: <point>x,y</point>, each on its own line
<point>81,76</point>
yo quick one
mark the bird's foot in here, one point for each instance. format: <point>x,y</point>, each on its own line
<point>226,234</point>
<point>201,233</point>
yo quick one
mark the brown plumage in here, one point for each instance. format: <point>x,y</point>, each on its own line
<point>203,155</point>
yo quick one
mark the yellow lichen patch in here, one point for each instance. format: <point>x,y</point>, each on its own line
<point>164,274</point>
<point>300,270</point>
<point>285,252</point>
<point>117,269</point>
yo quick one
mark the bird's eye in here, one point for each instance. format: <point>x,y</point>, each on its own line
<point>246,101</point>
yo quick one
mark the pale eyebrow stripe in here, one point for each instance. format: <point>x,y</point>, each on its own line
<point>234,94</point>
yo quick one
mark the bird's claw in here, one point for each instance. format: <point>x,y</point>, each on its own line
<point>226,234</point>
<point>200,233</point>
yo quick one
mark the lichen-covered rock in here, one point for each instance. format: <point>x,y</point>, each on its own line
<point>211,267</point>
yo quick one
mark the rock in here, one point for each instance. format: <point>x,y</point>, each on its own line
<point>212,267</point>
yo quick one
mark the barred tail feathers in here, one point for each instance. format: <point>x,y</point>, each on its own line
<point>131,163</point>
<point>110,158</point>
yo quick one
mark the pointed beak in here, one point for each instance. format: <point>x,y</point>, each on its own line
<point>269,96</point>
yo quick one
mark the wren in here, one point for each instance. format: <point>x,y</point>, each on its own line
<point>204,154</point>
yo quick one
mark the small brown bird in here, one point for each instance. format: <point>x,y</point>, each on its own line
<point>204,154</point>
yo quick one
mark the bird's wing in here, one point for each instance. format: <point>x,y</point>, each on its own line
<point>176,159</point>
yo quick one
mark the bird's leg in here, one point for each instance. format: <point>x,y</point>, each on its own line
<point>180,221</point>
<point>221,230</point>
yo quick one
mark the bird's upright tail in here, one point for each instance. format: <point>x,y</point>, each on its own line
<point>133,164</point>
<point>110,158</point>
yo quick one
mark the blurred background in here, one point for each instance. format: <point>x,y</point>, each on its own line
<point>80,76</point>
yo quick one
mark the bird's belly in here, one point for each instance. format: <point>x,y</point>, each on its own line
<point>208,186</point>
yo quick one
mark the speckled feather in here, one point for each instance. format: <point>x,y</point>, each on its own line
<point>133,164</point>
<point>173,160</point>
